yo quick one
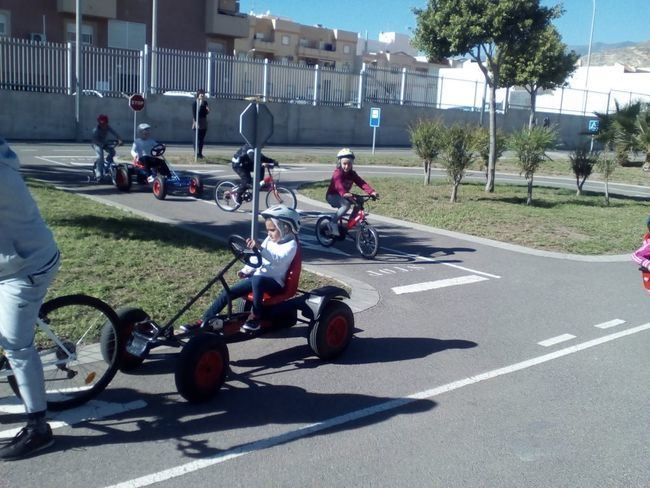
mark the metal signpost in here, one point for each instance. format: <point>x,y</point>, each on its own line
<point>256,127</point>
<point>375,117</point>
<point>136,102</point>
<point>593,127</point>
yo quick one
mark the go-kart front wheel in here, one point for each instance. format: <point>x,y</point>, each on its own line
<point>196,187</point>
<point>332,332</point>
<point>122,179</point>
<point>202,367</point>
<point>160,187</point>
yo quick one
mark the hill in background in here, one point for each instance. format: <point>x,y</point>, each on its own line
<point>628,53</point>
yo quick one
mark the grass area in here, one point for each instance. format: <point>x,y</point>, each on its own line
<point>129,261</point>
<point>558,220</point>
<point>558,166</point>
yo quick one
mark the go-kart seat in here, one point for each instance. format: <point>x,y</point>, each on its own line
<point>290,282</point>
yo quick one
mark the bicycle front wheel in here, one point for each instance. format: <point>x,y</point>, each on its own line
<point>78,343</point>
<point>281,195</point>
<point>367,241</point>
<point>223,196</point>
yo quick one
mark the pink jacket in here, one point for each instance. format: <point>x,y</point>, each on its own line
<point>342,182</point>
<point>642,255</point>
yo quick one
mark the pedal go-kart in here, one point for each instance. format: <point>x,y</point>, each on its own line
<point>163,178</point>
<point>203,362</point>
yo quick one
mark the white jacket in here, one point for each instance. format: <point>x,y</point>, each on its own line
<point>142,147</point>
<point>26,244</point>
<point>276,259</point>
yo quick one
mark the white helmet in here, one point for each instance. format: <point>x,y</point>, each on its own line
<point>346,152</point>
<point>284,214</point>
<point>143,127</point>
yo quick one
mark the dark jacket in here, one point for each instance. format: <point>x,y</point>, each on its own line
<point>244,158</point>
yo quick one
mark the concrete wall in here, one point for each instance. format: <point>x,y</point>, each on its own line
<point>39,116</point>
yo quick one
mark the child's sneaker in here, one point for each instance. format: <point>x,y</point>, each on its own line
<point>334,229</point>
<point>251,325</point>
<point>150,179</point>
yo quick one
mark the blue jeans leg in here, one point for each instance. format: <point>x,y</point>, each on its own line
<point>243,288</point>
<point>263,284</point>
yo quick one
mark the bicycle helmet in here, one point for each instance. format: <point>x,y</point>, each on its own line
<point>102,119</point>
<point>283,214</point>
<point>346,152</point>
<point>143,127</point>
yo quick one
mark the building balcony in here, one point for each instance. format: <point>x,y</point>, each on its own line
<point>225,22</point>
<point>93,8</point>
<point>314,52</point>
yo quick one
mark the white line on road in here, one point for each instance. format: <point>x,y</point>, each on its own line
<point>611,323</point>
<point>432,285</point>
<point>365,412</point>
<point>556,340</point>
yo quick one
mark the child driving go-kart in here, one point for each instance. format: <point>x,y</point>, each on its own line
<point>141,152</point>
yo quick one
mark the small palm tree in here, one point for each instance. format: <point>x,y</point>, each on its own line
<point>482,146</point>
<point>458,154</point>
<point>530,145</point>
<point>582,165</point>
<point>426,139</point>
<point>641,138</point>
<point>618,129</point>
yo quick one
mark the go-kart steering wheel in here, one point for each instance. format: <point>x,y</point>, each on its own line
<point>158,150</point>
<point>250,257</point>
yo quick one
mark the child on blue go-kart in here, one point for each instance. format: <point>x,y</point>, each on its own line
<point>99,142</point>
<point>141,152</point>
<point>277,252</point>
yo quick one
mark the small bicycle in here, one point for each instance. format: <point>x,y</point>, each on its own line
<point>225,195</point>
<point>77,338</point>
<point>366,238</point>
<point>109,168</point>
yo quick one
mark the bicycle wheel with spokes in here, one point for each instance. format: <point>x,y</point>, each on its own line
<point>367,240</point>
<point>78,359</point>
<point>322,231</point>
<point>281,195</point>
<point>223,196</point>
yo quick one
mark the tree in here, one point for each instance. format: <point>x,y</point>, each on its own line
<point>617,130</point>
<point>530,144</point>
<point>641,138</point>
<point>427,141</point>
<point>486,30</point>
<point>482,146</point>
<point>542,63</point>
<point>606,165</point>
<point>582,165</point>
<point>458,154</point>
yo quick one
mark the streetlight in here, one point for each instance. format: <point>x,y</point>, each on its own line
<point>591,37</point>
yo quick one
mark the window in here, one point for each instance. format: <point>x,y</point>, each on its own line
<point>126,35</point>
<point>286,40</point>
<point>346,49</point>
<point>87,33</point>
<point>216,47</point>
<point>4,23</point>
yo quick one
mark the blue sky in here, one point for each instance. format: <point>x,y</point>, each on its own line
<point>615,21</point>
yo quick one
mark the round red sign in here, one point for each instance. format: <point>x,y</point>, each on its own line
<point>136,102</point>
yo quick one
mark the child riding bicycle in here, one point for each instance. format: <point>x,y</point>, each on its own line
<point>99,140</point>
<point>338,193</point>
<point>243,163</point>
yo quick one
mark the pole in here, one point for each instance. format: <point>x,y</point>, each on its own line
<point>591,38</point>
<point>77,81</point>
<point>135,121</point>
<point>154,44</point>
<point>196,130</point>
<point>374,134</point>
<point>256,185</point>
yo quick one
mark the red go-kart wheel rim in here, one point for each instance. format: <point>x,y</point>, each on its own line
<point>121,179</point>
<point>337,331</point>
<point>156,187</point>
<point>209,369</point>
<point>194,187</point>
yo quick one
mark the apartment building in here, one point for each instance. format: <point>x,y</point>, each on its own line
<point>282,40</point>
<point>193,25</point>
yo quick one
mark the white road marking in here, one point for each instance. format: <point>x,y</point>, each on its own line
<point>556,340</point>
<point>433,285</point>
<point>611,323</point>
<point>308,430</point>
<point>92,410</point>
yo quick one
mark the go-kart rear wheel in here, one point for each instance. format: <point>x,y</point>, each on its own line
<point>122,178</point>
<point>128,317</point>
<point>202,367</point>
<point>160,187</point>
<point>332,333</point>
<point>196,187</point>
<point>323,234</point>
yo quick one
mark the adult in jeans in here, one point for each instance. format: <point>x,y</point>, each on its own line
<point>29,260</point>
<point>338,193</point>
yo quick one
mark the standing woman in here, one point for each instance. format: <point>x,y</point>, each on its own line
<point>202,124</point>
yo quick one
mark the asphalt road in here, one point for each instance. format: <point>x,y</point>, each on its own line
<point>473,364</point>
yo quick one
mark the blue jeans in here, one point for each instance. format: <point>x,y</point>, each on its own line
<point>256,283</point>
<point>340,202</point>
<point>99,162</point>
<point>20,301</point>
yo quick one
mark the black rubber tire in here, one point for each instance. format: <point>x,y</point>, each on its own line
<point>83,342</point>
<point>122,178</point>
<point>159,187</point>
<point>332,333</point>
<point>222,196</point>
<point>202,368</point>
<point>196,187</point>
<point>367,241</point>
<point>323,235</point>
<point>282,195</point>
<point>128,317</point>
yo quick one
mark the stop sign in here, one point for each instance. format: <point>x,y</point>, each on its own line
<point>136,102</point>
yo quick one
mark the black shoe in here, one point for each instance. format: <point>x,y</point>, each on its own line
<point>193,326</point>
<point>27,442</point>
<point>251,325</point>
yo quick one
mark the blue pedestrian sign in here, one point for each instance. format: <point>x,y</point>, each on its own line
<point>593,127</point>
<point>375,116</point>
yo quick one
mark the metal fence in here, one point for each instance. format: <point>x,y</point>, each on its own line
<point>49,67</point>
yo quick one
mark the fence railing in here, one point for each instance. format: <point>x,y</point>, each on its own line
<point>49,67</point>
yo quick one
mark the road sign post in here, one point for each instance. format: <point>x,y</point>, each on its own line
<point>375,118</point>
<point>256,127</point>
<point>136,103</point>
<point>593,127</point>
